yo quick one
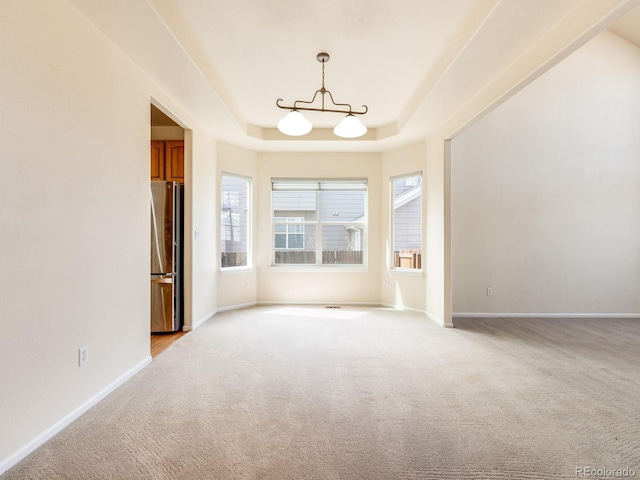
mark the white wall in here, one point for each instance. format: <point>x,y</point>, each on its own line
<point>75,218</point>
<point>237,287</point>
<point>201,230</point>
<point>326,286</point>
<point>409,289</point>
<point>546,192</point>
<point>75,221</point>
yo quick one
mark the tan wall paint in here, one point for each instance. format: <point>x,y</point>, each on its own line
<point>437,258</point>
<point>546,192</point>
<point>75,216</point>
<point>203,192</point>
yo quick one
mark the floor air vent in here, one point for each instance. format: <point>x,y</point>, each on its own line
<point>332,306</point>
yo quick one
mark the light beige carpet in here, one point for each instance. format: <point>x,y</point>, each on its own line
<point>359,393</point>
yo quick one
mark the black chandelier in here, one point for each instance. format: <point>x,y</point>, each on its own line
<point>295,124</point>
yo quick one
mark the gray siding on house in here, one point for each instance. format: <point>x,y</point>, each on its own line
<point>343,207</point>
<point>399,189</point>
<point>309,230</point>
<point>294,201</point>
<point>407,226</point>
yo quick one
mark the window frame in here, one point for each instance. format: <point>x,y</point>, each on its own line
<point>392,226</point>
<point>249,222</point>
<point>289,222</point>
<point>322,185</point>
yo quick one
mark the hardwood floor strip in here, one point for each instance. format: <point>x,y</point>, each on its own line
<point>159,343</point>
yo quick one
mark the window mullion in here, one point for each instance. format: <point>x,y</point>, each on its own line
<point>318,228</point>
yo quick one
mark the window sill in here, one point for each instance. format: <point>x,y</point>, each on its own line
<point>407,272</point>
<point>320,268</point>
<point>235,270</point>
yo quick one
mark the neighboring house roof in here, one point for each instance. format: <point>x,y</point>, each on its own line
<point>406,196</point>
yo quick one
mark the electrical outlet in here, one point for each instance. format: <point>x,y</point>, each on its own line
<point>489,292</point>
<point>83,355</point>
<point>246,284</point>
<point>391,285</point>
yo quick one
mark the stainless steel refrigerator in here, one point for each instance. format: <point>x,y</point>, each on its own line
<point>166,256</point>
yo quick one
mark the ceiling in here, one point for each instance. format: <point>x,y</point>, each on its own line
<point>628,26</point>
<point>416,64</point>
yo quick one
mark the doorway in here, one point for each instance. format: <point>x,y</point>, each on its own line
<point>167,167</point>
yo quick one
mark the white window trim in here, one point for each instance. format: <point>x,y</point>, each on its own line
<point>406,272</point>
<point>309,268</point>
<point>236,270</point>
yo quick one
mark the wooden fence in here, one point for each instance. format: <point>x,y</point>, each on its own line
<point>329,257</point>
<point>295,257</point>
<point>342,257</point>
<point>407,259</point>
<point>233,259</point>
<point>401,258</point>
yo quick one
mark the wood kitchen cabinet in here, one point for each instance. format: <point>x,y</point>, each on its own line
<point>167,160</point>
<point>157,160</point>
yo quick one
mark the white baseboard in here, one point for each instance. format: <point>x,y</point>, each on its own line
<point>346,304</point>
<point>22,452</point>
<point>430,316</point>
<point>545,315</point>
<point>236,307</point>
<point>189,328</point>
<point>439,321</point>
<point>403,308</point>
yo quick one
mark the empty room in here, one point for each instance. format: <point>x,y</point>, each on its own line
<point>320,240</point>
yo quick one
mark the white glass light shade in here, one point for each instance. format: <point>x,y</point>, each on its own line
<point>294,124</point>
<point>350,127</point>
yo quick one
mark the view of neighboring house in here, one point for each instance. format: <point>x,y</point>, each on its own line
<point>234,221</point>
<point>304,218</point>
<point>407,221</point>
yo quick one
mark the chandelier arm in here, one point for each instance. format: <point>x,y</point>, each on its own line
<point>312,109</point>
<point>351,110</point>
<point>295,104</point>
